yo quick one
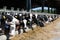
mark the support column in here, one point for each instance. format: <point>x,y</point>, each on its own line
<point>28,5</point>
<point>42,6</point>
<point>48,10</point>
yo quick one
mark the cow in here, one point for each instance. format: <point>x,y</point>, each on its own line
<point>12,21</point>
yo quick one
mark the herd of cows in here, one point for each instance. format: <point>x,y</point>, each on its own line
<point>10,24</point>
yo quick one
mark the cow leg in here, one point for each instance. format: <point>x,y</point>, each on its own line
<point>18,29</point>
<point>31,25</point>
<point>24,28</point>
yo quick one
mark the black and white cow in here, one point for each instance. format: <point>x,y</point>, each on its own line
<point>12,21</point>
<point>40,20</point>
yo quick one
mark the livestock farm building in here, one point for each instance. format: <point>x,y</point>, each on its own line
<point>29,19</point>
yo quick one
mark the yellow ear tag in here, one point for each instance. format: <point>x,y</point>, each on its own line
<point>28,22</point>
<point>4,17</point>
<point>15,16</point>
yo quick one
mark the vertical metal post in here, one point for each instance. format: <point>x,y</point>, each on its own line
<point>17,10</point>
<point>43,5</point>
<point>12,9</point>
<point>4,8</point>
<point>42,9</point>
<point>28,5</point>
<point>48,10</point>
<point>54,10</point>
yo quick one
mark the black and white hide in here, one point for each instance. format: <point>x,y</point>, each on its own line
<point>40,21</point>
<point>12,21</point>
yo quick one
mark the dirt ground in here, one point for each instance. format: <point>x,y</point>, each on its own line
<point>49,32</point>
